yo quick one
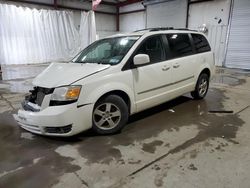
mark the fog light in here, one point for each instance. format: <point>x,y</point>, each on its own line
<point>58,130</point>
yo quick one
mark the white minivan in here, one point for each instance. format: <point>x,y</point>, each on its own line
<point>115,77</point>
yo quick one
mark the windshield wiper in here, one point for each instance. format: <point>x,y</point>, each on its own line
<point>95,62</point>
<point>103,63</point>
<point>82,62</point>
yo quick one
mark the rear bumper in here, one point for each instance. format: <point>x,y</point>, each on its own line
<point>65,120</point>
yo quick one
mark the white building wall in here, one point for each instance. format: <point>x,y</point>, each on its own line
<point>167,14</point>
<point>105,25</point>
<point>133,21</point>
<point>86,5</point>
<point>75,4</point>
<point>215,15</point>
<point>131,7</point>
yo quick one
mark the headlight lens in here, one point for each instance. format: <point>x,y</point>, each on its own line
<point>68,93</point>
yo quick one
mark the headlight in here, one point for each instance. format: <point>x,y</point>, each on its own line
<point>68,93</point>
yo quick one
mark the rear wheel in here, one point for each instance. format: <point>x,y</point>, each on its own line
<point>201,87</point>
<point>110,115</point>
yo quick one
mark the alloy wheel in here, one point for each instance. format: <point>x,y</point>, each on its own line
<point>106,116</point>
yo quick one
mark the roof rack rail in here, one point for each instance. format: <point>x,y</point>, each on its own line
<point>161,28</point>
<point>164,28</point>
<point>155,29</point>
<point>185,29</point>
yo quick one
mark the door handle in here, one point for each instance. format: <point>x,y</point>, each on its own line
<point>176,65</point>
<point>165,68</point>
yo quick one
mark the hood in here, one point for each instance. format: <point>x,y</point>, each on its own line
<point>60,74</point>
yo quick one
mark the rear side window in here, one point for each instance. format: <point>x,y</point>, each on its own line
<point>179,45</point>
<point>153,47</point>
<point>201,44</point>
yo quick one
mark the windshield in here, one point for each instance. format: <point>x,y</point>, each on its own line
<point>106,51</point>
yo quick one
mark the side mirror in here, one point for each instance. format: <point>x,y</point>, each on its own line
<point>141,59</point>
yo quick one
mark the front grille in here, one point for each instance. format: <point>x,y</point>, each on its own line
<point>37,95</point>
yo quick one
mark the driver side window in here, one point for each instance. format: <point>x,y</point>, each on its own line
<point>153,47</point>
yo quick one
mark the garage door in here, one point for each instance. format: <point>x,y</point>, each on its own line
<point>238,51</point>
<point>167,14</point>
<point>128,22</point>
<point>215,15</point>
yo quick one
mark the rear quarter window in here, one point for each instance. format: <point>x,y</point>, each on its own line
<point>200,43</point>
<point>179,45</point>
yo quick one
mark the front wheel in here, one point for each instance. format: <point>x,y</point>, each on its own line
<point>201,87</point>
<point>110,115</point>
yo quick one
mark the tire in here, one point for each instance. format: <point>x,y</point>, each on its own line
<point>201,87</point>
<point>110,114</point>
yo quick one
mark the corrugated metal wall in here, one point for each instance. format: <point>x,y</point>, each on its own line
<point>238,51</point>
<point>133,21</point>
<point>167,14</point>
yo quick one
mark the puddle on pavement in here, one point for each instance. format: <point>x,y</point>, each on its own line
<point>231,80</point>
<point>19,153</point>
<point>151,122</point>
<point>151,147</point>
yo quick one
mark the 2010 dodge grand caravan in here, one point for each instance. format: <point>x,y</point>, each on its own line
<point>116,77</point>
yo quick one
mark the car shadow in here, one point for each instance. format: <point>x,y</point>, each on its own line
<point>159,108</point>
<point>133,118</point>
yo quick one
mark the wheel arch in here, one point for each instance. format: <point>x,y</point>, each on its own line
<point>206,71</point>
<point>119,93</point>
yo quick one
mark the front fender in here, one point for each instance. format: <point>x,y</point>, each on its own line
<point>98,92</point>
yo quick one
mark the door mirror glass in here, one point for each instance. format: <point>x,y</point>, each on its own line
<point>141,59</point>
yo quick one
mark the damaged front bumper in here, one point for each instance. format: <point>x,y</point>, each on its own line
<point>65,120</point>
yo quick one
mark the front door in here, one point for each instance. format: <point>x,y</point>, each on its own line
<point>151,81</point>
